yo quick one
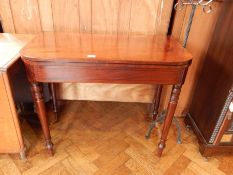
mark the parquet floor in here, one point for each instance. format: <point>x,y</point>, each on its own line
<point>108,138</point>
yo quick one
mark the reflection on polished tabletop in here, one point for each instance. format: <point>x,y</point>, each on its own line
<point>106,48</point>
<point>96,58</point>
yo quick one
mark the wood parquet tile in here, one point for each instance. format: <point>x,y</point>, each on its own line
<point>107,138</point>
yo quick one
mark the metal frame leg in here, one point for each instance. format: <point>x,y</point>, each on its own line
<point>22,154</point>
<point>54,99</point>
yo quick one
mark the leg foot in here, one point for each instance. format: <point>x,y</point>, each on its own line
<point>161,146</point>
<point>49,146</point>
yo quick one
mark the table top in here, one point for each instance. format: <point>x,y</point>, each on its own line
<point>10,45</point>
<point>105,48</point>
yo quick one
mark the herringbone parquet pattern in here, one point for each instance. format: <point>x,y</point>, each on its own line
<point>108,138</point>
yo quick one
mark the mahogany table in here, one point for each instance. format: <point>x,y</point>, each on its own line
<point>95,58</point>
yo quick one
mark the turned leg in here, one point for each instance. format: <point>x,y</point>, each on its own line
<point>169,116</point>
<point>54,99</point>
<point>156,102</point>
<point>37,93</point>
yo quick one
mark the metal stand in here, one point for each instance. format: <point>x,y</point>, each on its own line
<point>160,119</point>
<point>206,7</point>
<point>54,99</point>
<point>22,154</point>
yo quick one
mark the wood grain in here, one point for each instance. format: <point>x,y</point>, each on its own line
<point>144,16</point>
<point>46,16</point>
<point>85,12</point>
<point>66,15</point>
<point>6,16</point>
<point>124,16</point>
<point>178,24</point>
<point>105,48</point>
<point>163,16</point>
<point>26,16</point>
<point>105,16</point>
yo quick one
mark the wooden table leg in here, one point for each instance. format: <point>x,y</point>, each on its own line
<point>53,93</point>
<point>156,102</point>
<point>169,116</point>
<point>37,93</point>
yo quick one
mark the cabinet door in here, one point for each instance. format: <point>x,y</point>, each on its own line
<point>8,132</point>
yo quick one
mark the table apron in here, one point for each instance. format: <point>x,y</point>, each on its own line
<point>106,73</point>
